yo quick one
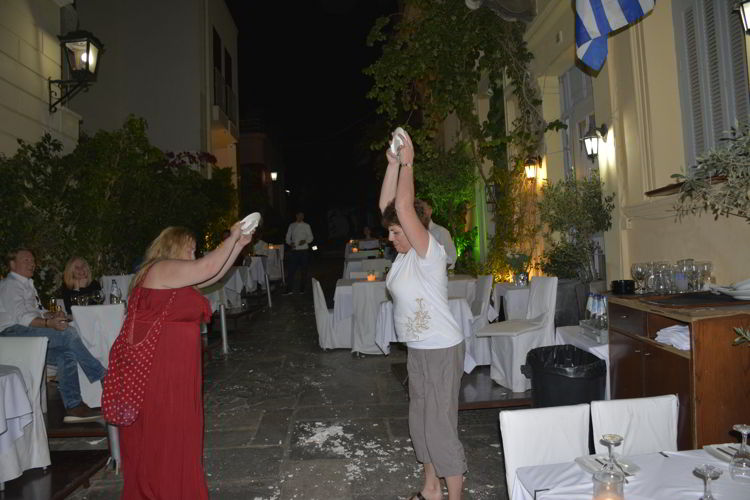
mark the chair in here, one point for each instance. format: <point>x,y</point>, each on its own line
<point>30,450</point>
<point>478,349</point>
<point>540,436</point>
<point>513,339</point>
<point>331,335</point>
<point>648,425</point>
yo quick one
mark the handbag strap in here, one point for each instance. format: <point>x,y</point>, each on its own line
<point>129,323</point>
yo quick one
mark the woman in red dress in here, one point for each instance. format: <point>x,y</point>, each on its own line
<point>162,449</point>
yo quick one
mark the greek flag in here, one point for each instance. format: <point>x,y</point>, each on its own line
<point>595,19</point>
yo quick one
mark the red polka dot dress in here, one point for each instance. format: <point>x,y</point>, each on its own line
<point>162,451</point>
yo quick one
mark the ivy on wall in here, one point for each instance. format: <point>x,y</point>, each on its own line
<point>434,56</point>
<point>106,200</point>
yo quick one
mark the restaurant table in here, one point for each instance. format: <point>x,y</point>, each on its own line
<point>98,327</point>
<point>574,335</point>
<point>29,449</point>
<point>370,244</point>
<point>515,300</point>
<point>362,254</point>
<point>15,408</point>
<point>123,283</point>
<point>365,265</point>
<point>274,262</point>
<point>385,330</point>
<point>659,478</point>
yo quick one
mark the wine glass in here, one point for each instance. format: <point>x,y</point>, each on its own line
<point>98,297</point>
<point>739,467</point>
<point>708,473</point>
<point>638,272</point>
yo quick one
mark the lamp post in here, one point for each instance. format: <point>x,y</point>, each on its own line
<point>744,8</point>
<point>81,51</point>
<point>591,140</point>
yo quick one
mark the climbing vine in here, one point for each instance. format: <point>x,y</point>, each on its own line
<point>434,56</point>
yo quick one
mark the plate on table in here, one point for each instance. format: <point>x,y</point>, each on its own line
<point>249,223</point>
<point>593,463</point>
<point>723,452</point>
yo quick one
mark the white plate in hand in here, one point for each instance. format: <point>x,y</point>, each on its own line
<point>593,463</point>
<point>249,223</point>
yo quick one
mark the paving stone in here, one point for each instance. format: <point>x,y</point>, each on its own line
<point>242,463</point>
<point>274,428</point>
<point>315,480</point>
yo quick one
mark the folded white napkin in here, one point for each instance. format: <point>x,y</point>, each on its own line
<point>677,336</point>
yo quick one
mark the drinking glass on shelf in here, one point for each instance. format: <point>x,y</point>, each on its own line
<point>739,467</point>
<point>704,272</point>
<point>708,473</point>
<point>638,272</point>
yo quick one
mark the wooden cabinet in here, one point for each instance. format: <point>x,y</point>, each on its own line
<point>710,379</point>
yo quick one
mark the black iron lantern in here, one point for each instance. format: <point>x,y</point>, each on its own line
<point>591,140</point>
<point>81,52</point>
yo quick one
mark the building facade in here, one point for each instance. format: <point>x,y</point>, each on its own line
<point>172,62</point>
<point>29,55</point>
<point>671,88</point>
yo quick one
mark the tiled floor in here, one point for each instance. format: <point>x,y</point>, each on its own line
<point>285,420</point>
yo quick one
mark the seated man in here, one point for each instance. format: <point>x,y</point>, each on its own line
<point>22,315</point>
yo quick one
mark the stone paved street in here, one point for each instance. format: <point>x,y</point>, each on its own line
<point>285,420</point>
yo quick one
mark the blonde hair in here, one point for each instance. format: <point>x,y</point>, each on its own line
<point>168,245</point>
<point>68,278</point>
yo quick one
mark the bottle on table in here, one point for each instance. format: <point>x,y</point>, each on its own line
<point>115,295</point>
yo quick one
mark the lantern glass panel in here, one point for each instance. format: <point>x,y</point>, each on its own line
<point>745,14</point>
<point>591,142</point>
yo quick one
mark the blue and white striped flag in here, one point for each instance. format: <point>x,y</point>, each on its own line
<point>595,19</point>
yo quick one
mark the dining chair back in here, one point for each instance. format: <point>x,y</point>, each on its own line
<point>478,351</point>
<point>647,425</point>
<point>331,334</point>
<point>541,436</point>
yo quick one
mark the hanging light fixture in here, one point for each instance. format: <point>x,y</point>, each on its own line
<point>744,8</point>
<point>274,176</point>
<point>591,140</point>
<point>79,62</point>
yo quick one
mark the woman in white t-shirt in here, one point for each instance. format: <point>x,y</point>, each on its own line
<point>418,283</point>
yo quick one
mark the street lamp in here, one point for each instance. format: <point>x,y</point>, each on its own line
<point>274,176</point>
<point>80,55</point>
<point>591,140</point>
<point>744,8</point>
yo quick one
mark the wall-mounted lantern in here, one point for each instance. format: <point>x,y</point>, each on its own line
<point>531,166</point>
<point>591,140</point>
<point>274,176</point>
<point>490,191</point>
<point>80,62</point>
<point>744,8</point>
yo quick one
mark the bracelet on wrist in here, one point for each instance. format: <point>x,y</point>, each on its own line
<point>406,165</point>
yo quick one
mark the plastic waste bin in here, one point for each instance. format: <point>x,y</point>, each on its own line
<point>564,375</point>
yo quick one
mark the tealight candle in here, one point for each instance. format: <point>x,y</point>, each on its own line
<point>355,250</point>
<point>371,277</point>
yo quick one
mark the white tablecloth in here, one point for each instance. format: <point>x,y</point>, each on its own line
<point>123,283</point>
<point>363,245</point>
<point>462,285</point>
<point>275,260</point>
<point>574,335</point>
<point>98,327</point>
<point>227,290</point>
<point>15,407</point>
<point>660,478</point>
<point>362,254</point>
<point>515,300</point>
<point>365,265</point>
<point>254,273</point>
<point>386,328</point>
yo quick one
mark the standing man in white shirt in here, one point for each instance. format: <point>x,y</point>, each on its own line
<point>22,315</point>
<point>442,236</point>
<point>298,237</point>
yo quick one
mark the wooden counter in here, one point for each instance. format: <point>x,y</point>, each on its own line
<point>711,379</point>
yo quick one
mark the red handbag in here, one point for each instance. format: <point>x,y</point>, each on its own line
<point>129,366</point>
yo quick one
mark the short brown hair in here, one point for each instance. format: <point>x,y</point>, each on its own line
<point>390,217</point>
<point>10,256</point>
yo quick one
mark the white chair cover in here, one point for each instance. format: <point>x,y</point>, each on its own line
<point>478,349</point>
<point>31,450</point>
<point>648,425</point>
<point>366,299</point>
<point>541,436</point>
<point>98,327</point>
<point>331,334</point>
<point>275,262</point>
<point>123,283</point>
<point>360,275</point>
<point>513,339</point>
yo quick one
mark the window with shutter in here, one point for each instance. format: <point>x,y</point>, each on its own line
<point>712,72</point>
<point>577,111</point>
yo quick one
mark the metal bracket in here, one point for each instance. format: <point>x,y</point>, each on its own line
<point>65,91</point>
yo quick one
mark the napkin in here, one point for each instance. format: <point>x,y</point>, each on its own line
<point>677,336</point>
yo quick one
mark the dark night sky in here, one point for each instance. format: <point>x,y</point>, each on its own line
<point>300,68</point>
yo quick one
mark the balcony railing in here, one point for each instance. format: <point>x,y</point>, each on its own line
<point>224,96</point>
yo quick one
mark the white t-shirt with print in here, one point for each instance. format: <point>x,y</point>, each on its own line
<point>419,287</point>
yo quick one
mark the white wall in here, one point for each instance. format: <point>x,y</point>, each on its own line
<point>29,54</point>
<point>153,67</point>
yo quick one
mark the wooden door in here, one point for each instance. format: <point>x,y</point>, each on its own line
<point>625,366</point>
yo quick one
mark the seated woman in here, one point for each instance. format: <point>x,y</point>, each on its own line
<point>77,281</point>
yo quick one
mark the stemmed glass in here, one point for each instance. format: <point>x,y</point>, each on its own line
<point>608,482</point>
<point>739,467</point>
<point>708,473</point>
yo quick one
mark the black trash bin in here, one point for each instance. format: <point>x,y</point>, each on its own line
<point>564,375</point>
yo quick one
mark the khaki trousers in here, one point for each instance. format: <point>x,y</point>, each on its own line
<point>434,382</point>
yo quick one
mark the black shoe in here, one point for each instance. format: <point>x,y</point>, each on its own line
<point>80,414</point>
<point>287,292</point>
